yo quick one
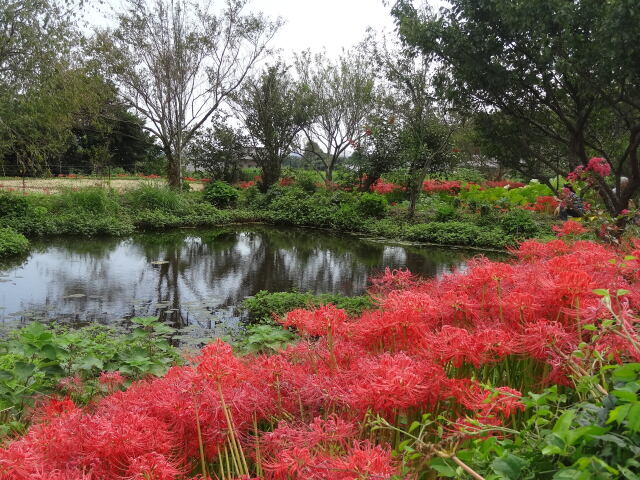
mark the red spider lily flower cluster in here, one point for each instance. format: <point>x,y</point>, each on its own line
<point>383,187</point>
<point>452,187</point>
<point>423,349</point>
<point>544,204</point>
<point>286,182</point>
<point>570,227</point>
<point>596,166</point>
<point>245,185</point>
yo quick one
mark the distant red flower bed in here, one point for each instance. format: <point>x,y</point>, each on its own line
<point>301,413</point>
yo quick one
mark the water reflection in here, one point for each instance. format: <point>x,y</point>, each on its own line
<point>194,279</point>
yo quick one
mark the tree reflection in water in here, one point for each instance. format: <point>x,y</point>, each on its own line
<point>205,274</point>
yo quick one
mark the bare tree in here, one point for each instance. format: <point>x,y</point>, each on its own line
<point>176,63</point>
<point>344,92</point>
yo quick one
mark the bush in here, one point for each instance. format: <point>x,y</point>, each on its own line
<point>95,200</point>
<point>149,197</point>
<point>248,174</point>
<point>12,242</point>
<point>12,205</point>
<point>459,233</point>
<point>265,304</point>
<point>446,213</point>
<point>520,224</point>
<point>307,180</point>
<point>221,194</point>
<point>372,205</point>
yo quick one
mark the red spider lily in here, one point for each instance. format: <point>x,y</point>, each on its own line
<point>245,185</point>
<point>570,227</point>
<point>421,349</point>
<point>452,187</point>
<point>111,380</point>
<point>383,187</point>
<point>545,204</point>
<point>599,166</point>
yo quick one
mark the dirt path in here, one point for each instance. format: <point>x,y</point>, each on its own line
<point>55,185</point>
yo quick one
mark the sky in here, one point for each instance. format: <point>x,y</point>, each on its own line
<point>327,24</point>
<point>331,25</point>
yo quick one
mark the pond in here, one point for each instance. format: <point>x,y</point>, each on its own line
<point>196,279</point>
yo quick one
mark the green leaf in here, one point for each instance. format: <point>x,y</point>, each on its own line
<point>509,466</point>
<point>90,362</point>
<point>414,426</point>
<point>23,370</point>
<point>621,292</point>
<point>618,414</point>
<point>561,428</point>
<point>601,291</point>
<point>634,418</point>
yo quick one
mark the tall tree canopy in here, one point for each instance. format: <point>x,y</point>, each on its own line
<point>176,63</point>
<point>275,109</point>
<point>566,70</point>
<point>43,82</point>
<point>345,96</point>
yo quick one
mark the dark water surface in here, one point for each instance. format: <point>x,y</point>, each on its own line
<point>195,279</point>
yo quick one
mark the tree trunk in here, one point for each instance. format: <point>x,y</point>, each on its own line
<point>271,170</point>
<point>174,173</point>
<point>415,183</point>
<point>369,181</point>
<point>329,173</point>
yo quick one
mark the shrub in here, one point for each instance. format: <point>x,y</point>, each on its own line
<point>520,224</point>
<point>266,304</point>
<point>37,357</point>
<point>446,213</point>
<point>458,233</point>
<point>372,205</point>
<point>149,197</point>
<point>220,194</point>
<point>12,242</point>
<point>12,205</point>
<point>307,180</point>
<point>95,200</point>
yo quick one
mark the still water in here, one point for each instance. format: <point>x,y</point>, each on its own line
<point>195,280</point>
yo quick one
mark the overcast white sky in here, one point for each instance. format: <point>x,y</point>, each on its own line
<point>310,24</point>
<point>330,24</point>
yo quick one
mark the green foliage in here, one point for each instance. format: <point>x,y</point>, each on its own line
<point>372,205</point>
<point>12,243</point>
<point>92,200</point>
<point>467,175</point>
<point>459,233</point>
<point>446,213</point>
<point>12,205</point>
<point>266,304</point>
<point>149,197</point>
<point>307,179</point>
<point>220,194</point>
<point>566,438</point>
<point>520,224</point>
<point>37,357</point>
<point>504,197</point>
<point>265,338</point>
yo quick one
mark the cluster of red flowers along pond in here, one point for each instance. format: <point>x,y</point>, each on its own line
<point>303,413</point>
